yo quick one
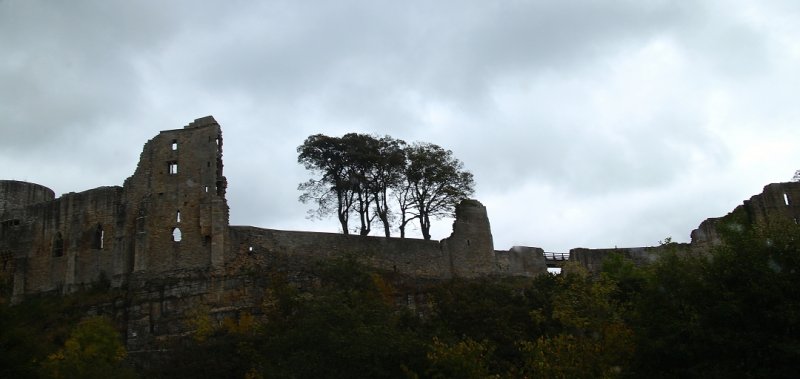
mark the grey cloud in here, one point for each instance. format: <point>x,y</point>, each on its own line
<point>511,87</point>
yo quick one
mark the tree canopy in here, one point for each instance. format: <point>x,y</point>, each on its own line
<point>382,178</point>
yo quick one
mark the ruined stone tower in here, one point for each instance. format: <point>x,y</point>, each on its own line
<point>170,215</point>
<point>177,200</point>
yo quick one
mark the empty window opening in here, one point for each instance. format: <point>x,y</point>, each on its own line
<point>217,141</point>
<point>178,217</point>
<point>9,224</point>
<point>174,144</point>
<point>786,198</point>
<point>176,234</point>
<point>173,168</point>
<point>58,245</point>
<point>206,187</point>
<point>97,241</point>
<point>208,164</point>
<point>206,240</point>
<point>250,249</point>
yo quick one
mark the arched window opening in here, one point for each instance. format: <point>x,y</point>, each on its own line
<point>178,217</point>
<point>58,245</point>
<point>176,234</point>
<point>97,240</point>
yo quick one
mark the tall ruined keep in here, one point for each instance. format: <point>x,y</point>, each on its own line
<point>164,239</point>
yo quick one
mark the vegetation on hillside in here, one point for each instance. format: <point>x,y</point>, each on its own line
<point>735,313</point>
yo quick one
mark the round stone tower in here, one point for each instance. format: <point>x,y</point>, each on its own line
<point>16,195</point>
<point>470,245</point>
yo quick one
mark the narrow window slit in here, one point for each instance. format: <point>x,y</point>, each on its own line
<point>99,234</point>
<point>58,245</point>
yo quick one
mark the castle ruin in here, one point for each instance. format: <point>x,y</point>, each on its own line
<point>164,235</point>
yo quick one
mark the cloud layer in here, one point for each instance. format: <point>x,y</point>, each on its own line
<point>585,123</point>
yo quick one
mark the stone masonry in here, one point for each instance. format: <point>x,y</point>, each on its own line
<point>164,237</point>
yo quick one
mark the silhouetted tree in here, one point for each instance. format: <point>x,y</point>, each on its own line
<point>358,173</point>
<point>333,191</point>
<point>388,159</point>
<point>435,182</point>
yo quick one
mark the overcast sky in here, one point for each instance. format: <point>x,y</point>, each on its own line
<point>585,123</point>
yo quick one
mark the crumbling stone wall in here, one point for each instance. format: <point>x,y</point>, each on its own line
<point>171,214</point>
<point>178,214</point>
<point>471,245</point>
<point>16,195</point>
<point>778,202</point>
<point>521,261</point>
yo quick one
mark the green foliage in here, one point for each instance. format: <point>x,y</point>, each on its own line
<point>593,340</point>
<point>466,359</point>
<point>93,350</point>
<point>735,313</point>
<point>38,327</point>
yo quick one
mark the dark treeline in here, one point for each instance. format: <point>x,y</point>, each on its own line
<point>734,314</point>
<point>381,178</point>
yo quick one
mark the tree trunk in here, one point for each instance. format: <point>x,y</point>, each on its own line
<point>425,225</point>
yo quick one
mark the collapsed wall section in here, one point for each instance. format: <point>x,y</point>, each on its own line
<point>777,203</point>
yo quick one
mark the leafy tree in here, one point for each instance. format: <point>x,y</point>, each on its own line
<point>376,165</point>
<point>734,313</point>
<point>94,349</point>
<point>334,191</point>
<point>593,341</point>
<point>466,359</point>
<point>389,160</point>
<point>435,182</point>
<point>358,174</point>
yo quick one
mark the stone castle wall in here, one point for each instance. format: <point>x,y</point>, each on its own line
<point>164,236</point>
<point>16,195</point>
<point>171,216</point>
<point>777,203</point>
